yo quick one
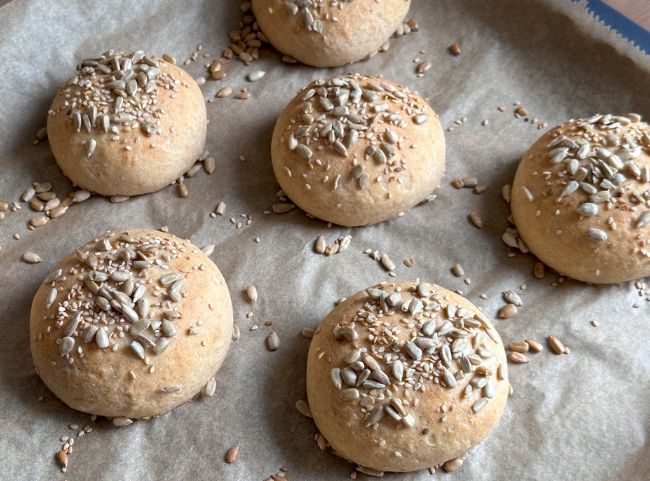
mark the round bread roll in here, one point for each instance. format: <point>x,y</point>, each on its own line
<point>581,197</point>
<point>406,376</point>
<point>329,33</point>
<point>131,325</point>
<point>357,150</point>
<point>127,124</point>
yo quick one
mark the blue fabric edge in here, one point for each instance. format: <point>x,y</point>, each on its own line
<point>622,25</point>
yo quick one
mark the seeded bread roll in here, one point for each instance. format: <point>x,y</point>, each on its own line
<point>357,150</point>
<point>580,198</point>
<point>131,325</point>
<point>406,376</point>
<point>127,124</point>
<point>329,33</point>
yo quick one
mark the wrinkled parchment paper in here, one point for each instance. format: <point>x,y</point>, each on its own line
<point>583,416</point>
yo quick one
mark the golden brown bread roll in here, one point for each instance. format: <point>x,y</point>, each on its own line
<point>131,324</point>
<point>405,376</point>
<point>127,124</point>
<point>580,198</point>
<point>329,33</point>
<point>356,150</point>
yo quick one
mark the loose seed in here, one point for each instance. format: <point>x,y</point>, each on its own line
<point>303,408</point>
<point>475,218</point>
<point>454,49</point>
<point>454,464</point>
<point>122,421</point>
<point>209,165</point>
<point>62,460</point>
<point>538,270</point>
<point>232,454</point>
<point>210,388</point>
<point>273,341</point>
<point>181,189</point>
<point>512,298</point>
<point>534,345</point>
<point>251,292</point>
<point>31,258</point>
<point>507,311</point>
<point>556,345</point>
<point>224,92</point>
<point>388,264</point>
<point>520,346</point>
<point>255,76</point>
<point>517,358</point>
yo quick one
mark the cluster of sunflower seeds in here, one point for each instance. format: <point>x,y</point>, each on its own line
<point>435,343</point>
<point>116,302</point>
<point>519,349</point>
<point>314,13</point>
<point>596,157</point>
<point>62,456</point>
<point>383,259</point>
<point>338,113</point>
<point>113,93</point>
<point>41,198</point>
<point>338,246</point>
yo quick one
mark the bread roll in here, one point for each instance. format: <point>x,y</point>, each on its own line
<point>356,150</point>
<point>127,124</point>
<point>329,33</point>
<point>580,198</point>
<point>406,376</point>
<point>131,324</point>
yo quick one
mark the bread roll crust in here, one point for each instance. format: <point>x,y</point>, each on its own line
<point>397,160</point>
<point>443,424</point>
<point>114,381</point>
<point>360,29</point>
<point>142,155</point>
<point>601,242</point>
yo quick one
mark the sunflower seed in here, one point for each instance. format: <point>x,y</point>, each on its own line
<point>283,207</point>
<point>512,298</point>
<point>517,358</point>
<point>420,119</point>
<point>478,405</point>
<point>67,345</point>
<point>335,376</point>
<point>388,264</point>
<point>251,292</point>
<point>475,218</point>
<point>31,258</point>
<point>122,422</point>
<point>304,151</point>
<point>255,76</point>
<point>62,459</point>
<point>507,311</point>
<point>448,377</point>
<point>556,345</point>
<point>303,408</point>
<point>534,345</point>
<point>644,219</point>
<point>520,346</point>
<point>273,342</point>
<point>232,455</point>
<point>137,348</point>
<point>413,350</point>
<point>597,234</point>
<point>91,145</point>
<point>51,297</point>
<point>350,394</point>
<point>587,209</point>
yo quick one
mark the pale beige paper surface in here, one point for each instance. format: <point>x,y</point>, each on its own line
<point>585,416</point>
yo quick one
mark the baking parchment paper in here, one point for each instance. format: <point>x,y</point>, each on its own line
<point>582,416</point>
